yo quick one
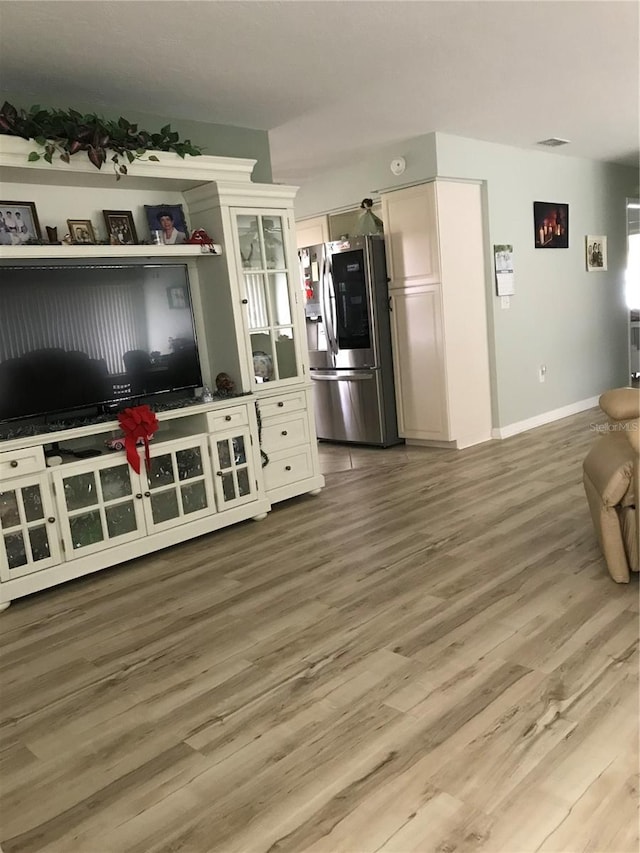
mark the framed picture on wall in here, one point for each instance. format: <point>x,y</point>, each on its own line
<point>550,225</point>
<point>596,253</point>
<point>177,297</point>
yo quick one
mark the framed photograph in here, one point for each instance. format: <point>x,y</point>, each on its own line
<point>167,222</point>
<point>18,223</point>
<point>596,253</point>
<point>550,225</point>
<point>120,227</point>
<point>177,297</point>
<point>81,231</point>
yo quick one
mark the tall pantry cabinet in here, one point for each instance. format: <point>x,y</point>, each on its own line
<point>436,265</point>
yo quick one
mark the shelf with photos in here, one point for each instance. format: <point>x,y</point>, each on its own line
<point>21,235</point>
<point>74,250</point>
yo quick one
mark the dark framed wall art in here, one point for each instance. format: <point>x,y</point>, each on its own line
<point>551,225</point>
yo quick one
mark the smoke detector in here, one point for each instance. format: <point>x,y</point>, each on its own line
<point>553,142</point>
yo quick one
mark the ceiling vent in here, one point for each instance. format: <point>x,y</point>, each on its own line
<point>553,142</point>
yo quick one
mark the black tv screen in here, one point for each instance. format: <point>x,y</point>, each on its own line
<point>78,336</point>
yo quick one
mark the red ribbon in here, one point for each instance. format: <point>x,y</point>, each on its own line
<point>138,422</point>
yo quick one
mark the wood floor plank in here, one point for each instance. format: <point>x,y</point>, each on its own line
<point>428,656</point>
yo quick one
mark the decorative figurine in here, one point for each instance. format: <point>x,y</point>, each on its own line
<point>200,237</point>
<point>207,396</point>
<point>225,384</point>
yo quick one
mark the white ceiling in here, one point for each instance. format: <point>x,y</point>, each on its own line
<point>334,78</point>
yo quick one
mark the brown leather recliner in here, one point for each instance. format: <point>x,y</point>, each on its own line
<point>611,477</point>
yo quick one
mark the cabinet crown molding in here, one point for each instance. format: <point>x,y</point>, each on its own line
<point>191,171</point>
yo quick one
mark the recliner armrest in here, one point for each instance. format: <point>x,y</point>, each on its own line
<point>621,404</point>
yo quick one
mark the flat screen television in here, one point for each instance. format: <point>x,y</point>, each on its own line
<point>89,336</point>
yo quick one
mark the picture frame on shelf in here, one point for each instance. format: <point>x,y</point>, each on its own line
<point>121,228</point>
<point>81,232</point>
<point>596,253</point>
<point>18,223</point>
<point>550,225</point>
<point>169,220</point>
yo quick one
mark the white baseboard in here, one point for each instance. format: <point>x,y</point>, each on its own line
<point>544,418</point>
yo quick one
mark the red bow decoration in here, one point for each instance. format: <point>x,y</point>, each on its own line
<point>138,423</point>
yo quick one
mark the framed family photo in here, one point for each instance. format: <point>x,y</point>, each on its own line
<point>81,231</point>
<point>169,221</point>
<point>120,227</point>
<point>596,253</point>
<point>18,222</point>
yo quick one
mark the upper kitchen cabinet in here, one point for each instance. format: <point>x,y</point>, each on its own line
<point>411,236</point>
<point>312,232</point>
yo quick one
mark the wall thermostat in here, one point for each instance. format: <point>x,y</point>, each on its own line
<point>398,165</point>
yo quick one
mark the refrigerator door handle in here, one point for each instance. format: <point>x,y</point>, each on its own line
<point>338,377</point>
<point>327,295</point>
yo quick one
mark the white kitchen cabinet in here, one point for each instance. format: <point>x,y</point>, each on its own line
<point>311,232</point>
<point>436,263</point>
<point>419,370</point>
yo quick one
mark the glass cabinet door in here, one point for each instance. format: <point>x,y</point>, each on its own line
<point>28,530</point>
<point>268,295</point>
<point>180,487</point>
<point>100,505</point>
<point>235,481</point>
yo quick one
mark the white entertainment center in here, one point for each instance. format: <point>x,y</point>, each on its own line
<point>64,521</point>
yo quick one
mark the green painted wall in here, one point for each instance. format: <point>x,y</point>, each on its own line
<point>216,139</point>
<point>347,186</point>
<point>572,321</point>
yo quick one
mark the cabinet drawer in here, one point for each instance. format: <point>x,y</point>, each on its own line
<point>287,467</point>
<point>282,404</point>
<point>17,462</point>
<point>227,419</point>
<point>286,432</point>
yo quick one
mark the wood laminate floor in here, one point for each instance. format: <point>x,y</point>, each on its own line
<point>429,656</point>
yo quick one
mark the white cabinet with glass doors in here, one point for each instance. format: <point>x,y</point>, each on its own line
<point>105,503</point>
<point>269,292</point>
<point>28,528</point>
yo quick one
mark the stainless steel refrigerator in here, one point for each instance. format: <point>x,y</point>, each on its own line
<point>349,341</point>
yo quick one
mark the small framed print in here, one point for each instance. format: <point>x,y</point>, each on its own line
<point>120,227</point>
<point>596,253</point>
<point>168,221</point>
<point>177,297</point>
<point>18,223</point>
<point>81,231</point>
<point>550,225</point>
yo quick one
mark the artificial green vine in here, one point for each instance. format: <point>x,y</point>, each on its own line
<point>66,132</point>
